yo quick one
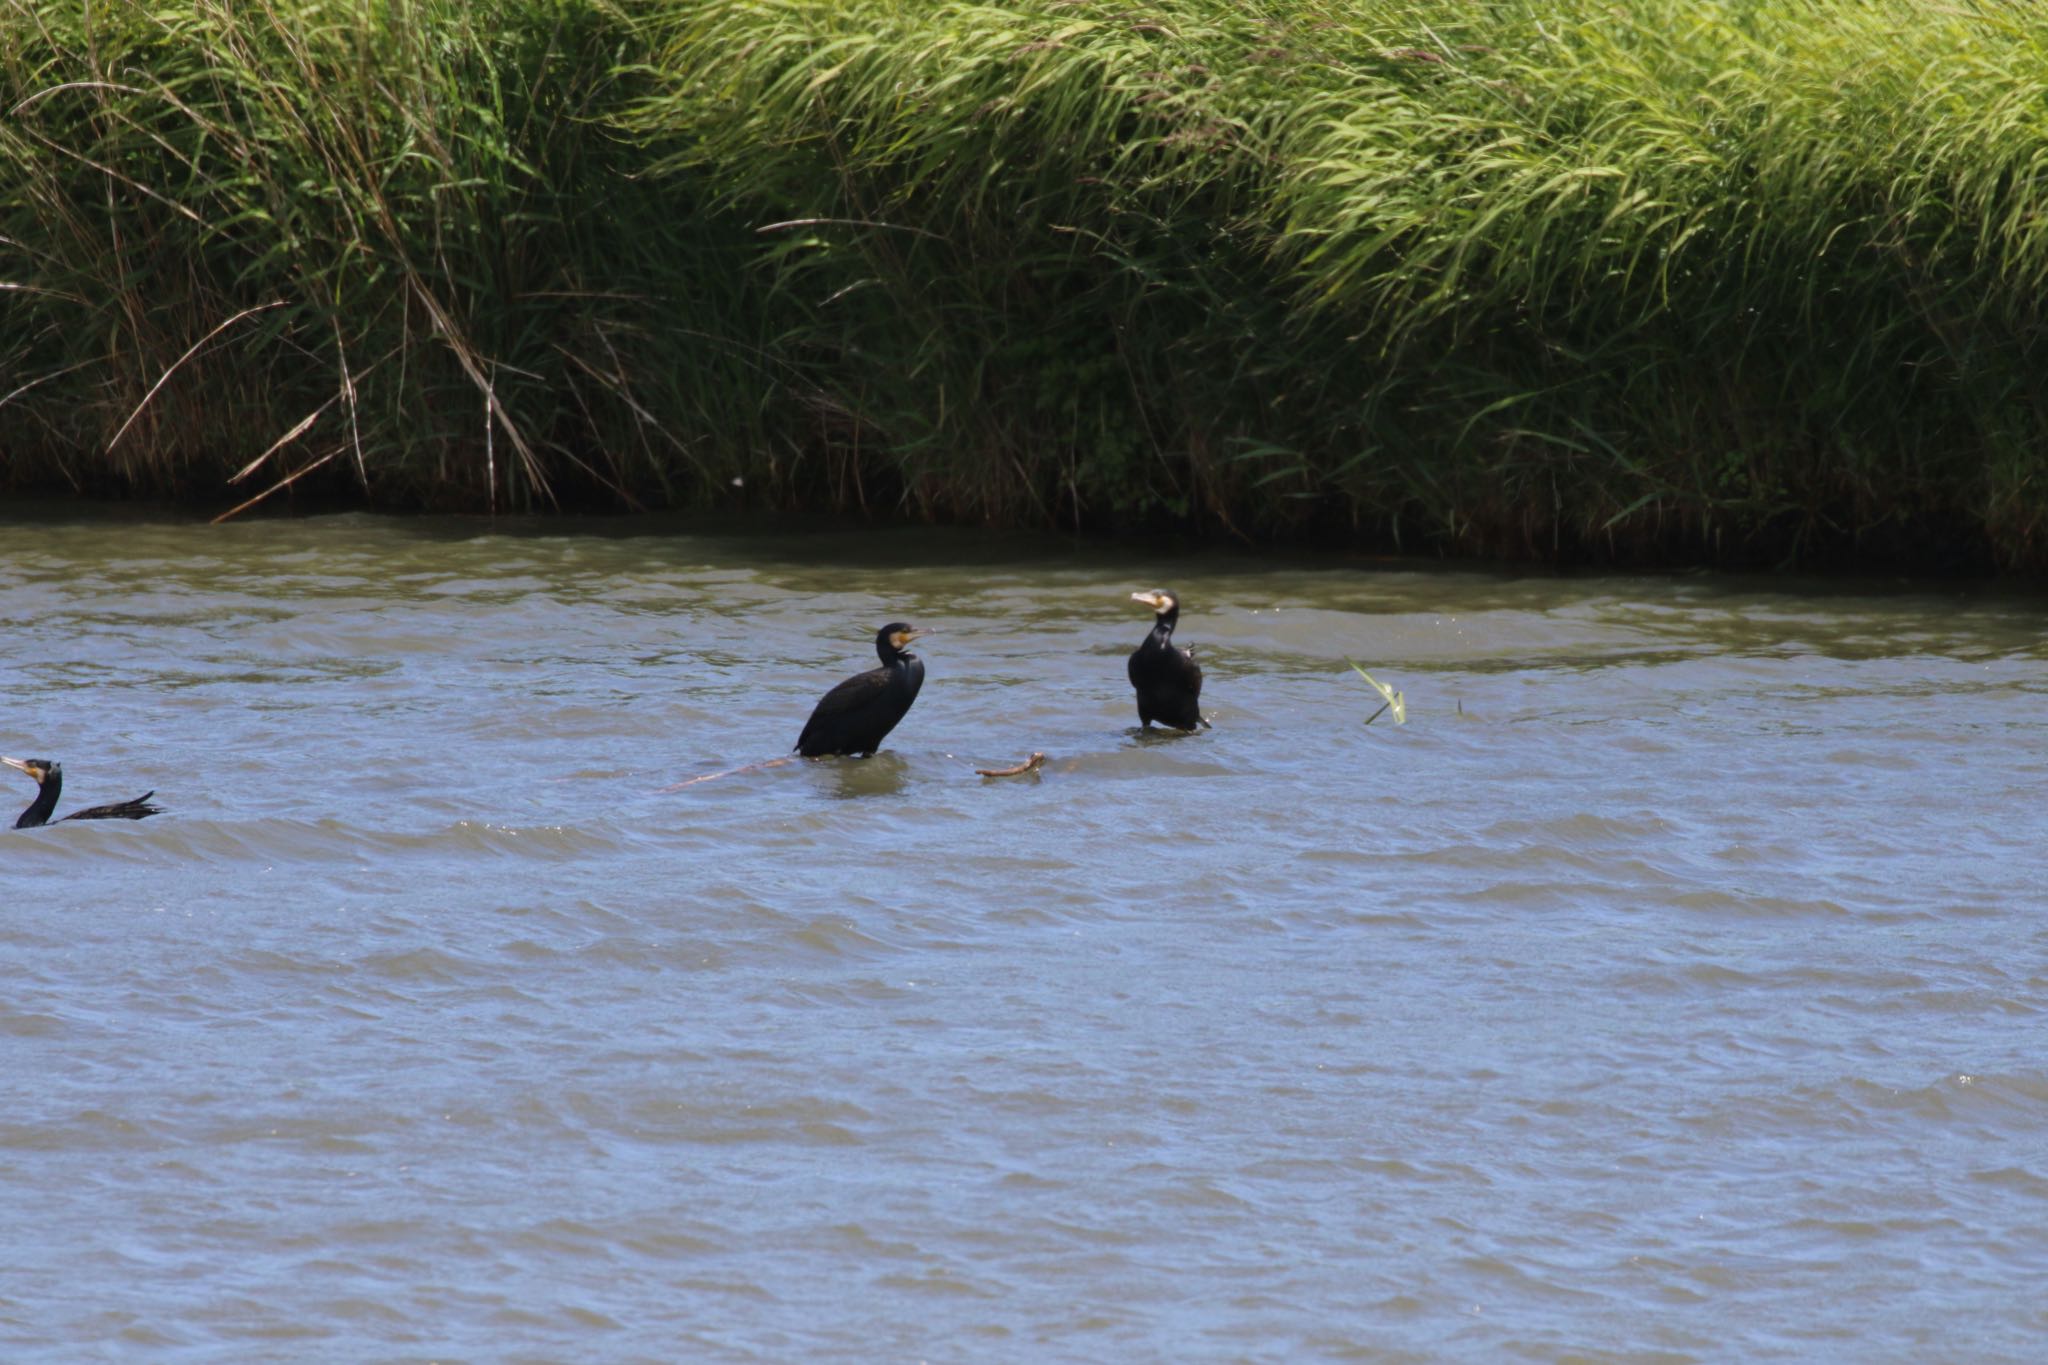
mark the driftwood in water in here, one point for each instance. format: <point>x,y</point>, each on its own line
<point>743,768</point>
<point>1030,764</point>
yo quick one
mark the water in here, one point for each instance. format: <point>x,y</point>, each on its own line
<point>1670,987</point>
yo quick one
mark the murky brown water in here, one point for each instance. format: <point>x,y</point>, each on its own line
<point>1671,987</point>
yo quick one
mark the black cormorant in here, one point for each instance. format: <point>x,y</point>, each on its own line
<point>50,777</point>
<point>854,717</point>
<point>1168,679</point>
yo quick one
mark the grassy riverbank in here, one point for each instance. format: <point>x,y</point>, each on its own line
<point>1665,281</point>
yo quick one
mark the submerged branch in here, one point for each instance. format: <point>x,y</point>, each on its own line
<point>1031,764</point>
<point>730,772</point>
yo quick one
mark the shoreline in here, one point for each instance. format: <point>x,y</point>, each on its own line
<point>1541,283</point>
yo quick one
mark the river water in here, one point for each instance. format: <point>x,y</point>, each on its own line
<point>1671,986</point>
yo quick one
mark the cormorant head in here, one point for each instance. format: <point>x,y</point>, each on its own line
<point>892,639</point>
<point>1161,601</point>
<point>38,768</point>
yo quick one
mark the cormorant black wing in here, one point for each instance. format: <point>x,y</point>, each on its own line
<point>861,690</point>
<point>136,809</point>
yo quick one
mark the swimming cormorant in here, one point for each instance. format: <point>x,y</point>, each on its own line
<point>50,778</point>
<point>854,717</point>
<point>1168,679</point>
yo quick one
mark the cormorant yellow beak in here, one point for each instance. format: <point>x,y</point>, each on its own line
<point>904,637</point>
<point>1155,600</point>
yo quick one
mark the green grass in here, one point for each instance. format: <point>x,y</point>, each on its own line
<point>1747,281</point>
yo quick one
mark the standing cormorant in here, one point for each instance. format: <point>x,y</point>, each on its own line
<point>854,717</point>
<point>50,778</point>
<point>1168,679</point>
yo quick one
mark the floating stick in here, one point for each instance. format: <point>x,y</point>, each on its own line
<point>743,768</point>
<point>1030,764</point>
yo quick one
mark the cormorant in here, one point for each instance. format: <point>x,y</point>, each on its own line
<point>50,778</point>
<point>854,717</point>
<point>1168,679</point>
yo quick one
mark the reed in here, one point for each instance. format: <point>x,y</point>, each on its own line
<point>1666,281</point>
<point>388,246</point>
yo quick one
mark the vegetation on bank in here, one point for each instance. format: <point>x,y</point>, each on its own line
<point>1736,281</point>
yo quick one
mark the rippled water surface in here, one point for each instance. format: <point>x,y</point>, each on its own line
<point>1670,987</point>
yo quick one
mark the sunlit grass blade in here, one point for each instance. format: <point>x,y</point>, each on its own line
<point>1394,702</point>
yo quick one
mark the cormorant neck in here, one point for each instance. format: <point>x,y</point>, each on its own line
<point>38,812</point>
<point>891,656</point>
<point>1162,629</point>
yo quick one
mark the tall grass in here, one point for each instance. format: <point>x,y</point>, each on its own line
<point>391,243</point>
<point>1745,280</point>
